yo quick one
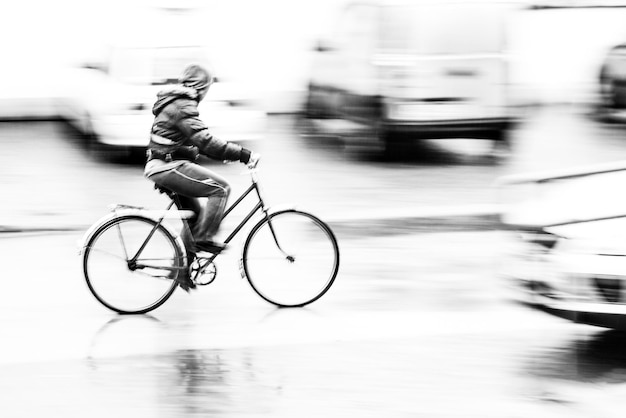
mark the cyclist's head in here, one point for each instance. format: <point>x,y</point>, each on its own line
<point>198,78</point>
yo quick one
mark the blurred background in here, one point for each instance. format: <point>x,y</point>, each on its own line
<point>382,88</point>
<point>422,132</point>
<point>556,48</point>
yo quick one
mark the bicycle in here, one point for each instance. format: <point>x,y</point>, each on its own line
<point>131,257</point>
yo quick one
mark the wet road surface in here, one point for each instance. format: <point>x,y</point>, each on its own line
<point>417,324</point>
<point>429,331</point>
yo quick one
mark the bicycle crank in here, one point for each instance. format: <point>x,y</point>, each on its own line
<point>203,272</point>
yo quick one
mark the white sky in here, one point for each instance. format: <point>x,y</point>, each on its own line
<point>269,41</point>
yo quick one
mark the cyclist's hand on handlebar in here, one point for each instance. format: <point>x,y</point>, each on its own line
<point>254,160</point>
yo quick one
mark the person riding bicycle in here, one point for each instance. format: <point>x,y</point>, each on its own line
<point>177,138</point>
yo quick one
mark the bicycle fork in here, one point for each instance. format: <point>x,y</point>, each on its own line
<point>259,206</point>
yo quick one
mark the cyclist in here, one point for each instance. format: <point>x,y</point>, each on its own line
<point>177,138</point>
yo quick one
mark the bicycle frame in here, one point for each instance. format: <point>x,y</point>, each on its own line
<point>259,206</point>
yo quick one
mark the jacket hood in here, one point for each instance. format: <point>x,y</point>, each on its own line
<point>168,95</point>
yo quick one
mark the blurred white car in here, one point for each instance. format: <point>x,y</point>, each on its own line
<point>568,256</point>
<point>111,102</point>
<point>28,93</point>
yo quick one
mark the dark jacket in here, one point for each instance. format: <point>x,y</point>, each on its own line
<point>177,125</point>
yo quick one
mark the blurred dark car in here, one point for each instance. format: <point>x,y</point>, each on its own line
<point>406,70</point>
<point>612,83</point>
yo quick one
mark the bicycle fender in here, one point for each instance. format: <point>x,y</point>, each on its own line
<point>82,243</point>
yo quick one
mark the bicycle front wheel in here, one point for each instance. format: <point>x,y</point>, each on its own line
<point>126,285</point>
<point>291,258</point>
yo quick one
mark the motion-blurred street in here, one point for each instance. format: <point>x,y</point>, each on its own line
<point>418,322</point>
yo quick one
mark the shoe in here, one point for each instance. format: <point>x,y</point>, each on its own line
<point>184,281</point>
<point>210,246</point>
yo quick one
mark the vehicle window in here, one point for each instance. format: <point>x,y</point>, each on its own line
<point>442,29</point>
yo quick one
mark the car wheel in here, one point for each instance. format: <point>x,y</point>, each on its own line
<point>311,110</point>
<point>501,144</point>
<point>396,147</point>
<point>607,90</point>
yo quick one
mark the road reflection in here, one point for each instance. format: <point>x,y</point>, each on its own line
<point>182,382</point>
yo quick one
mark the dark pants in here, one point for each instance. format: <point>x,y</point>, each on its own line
<point>199,190</point>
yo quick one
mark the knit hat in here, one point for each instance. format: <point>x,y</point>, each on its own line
<point>195,77</point>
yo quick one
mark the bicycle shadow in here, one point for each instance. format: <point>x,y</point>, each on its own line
<point>106,340</point>
<point>125,335</point>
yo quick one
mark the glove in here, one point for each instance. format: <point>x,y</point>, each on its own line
<point>254,160</point>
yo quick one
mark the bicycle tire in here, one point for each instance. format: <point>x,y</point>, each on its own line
<point>289,282</point>
<point>107,272</point>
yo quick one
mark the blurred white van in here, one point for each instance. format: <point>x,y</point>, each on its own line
<point>111,102</point>
<point>417,69</point>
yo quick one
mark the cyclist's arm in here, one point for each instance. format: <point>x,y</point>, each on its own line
<point>196,130</point>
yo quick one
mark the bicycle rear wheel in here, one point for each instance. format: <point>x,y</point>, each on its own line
<point>291,258</point>
<point>125,286</point>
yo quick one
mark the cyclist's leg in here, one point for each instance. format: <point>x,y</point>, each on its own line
<point>205,183</point>
<point>193,204</point>
<point>192,181</point>
<point>169,180</point>
<point>192,186</point>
